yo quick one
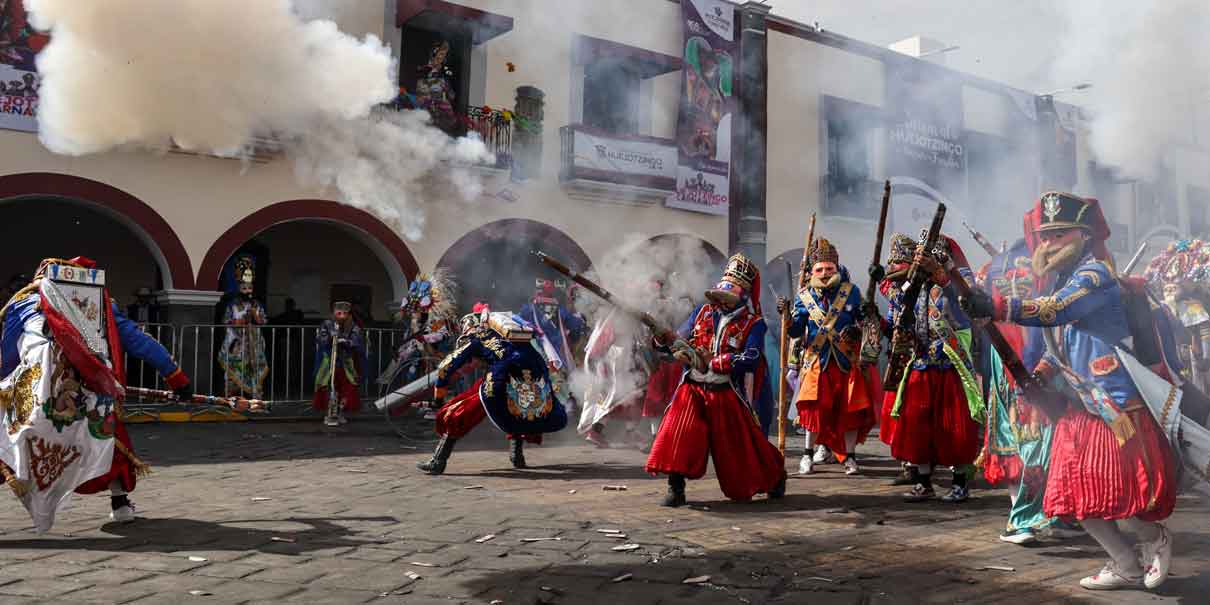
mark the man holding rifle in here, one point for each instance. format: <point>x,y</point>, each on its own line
<point>712,413</point>
<point>933,410</point>
<point>1110,460</point>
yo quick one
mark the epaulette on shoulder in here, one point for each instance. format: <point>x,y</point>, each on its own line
<point>1097,272</point>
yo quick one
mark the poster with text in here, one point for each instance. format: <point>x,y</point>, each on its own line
<point>703,133</point>
<point>19,82</point>
<point>925,133</point>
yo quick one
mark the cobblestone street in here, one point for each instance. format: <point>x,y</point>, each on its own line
<point>290,512</point>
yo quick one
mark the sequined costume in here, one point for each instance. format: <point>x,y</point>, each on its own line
<point>61,387</point>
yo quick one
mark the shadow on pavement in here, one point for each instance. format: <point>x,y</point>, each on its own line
<point>173,535</point>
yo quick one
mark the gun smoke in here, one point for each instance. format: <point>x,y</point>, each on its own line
<point>217,76</point>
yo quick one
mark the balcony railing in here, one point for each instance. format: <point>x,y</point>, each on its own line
<point>493,126</point>
<point>592,156</point>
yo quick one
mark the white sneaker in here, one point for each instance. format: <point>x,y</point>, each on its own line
<point>331,421</point>
<point>1019,537</point>
<point>1157,557</point>
<point>124,514</point>
<point>823,455</point>
<point>1110,578</point>
<point>340,419</point>
<point>807,465</point>
<point>850,466</point>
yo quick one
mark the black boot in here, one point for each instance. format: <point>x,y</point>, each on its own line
<point>676,491</point>
<point>517,454</point>
<point>779,490</point>
<point>436,465</point>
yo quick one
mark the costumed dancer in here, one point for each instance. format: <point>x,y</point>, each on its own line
<point>617,375</point>
<point>556,329</point>
<point>516,393</point>
<point>243,354</point>
<point>61,388</point>
<point>1180,272</point>
<point>340,357</point>
<point>712,413</point>
<point>833,404</point>
<point>1019,436</point>
<point>934,417</point>
<point>430,321</point>
<point>1110,462</point>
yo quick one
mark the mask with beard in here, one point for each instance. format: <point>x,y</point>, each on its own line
<point>825,283</point>
<point>1054,258</point>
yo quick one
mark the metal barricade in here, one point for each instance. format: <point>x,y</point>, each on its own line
<point>273,362</point>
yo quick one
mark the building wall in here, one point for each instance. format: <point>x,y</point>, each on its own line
<point>801,73</point>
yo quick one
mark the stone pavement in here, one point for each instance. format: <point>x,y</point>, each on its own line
<point>294,513</point>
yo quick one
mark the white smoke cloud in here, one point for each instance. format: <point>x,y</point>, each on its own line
<point>214,75</point>
<point>1149,62</point>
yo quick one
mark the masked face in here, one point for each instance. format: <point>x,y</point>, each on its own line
<point>341,316</point>
<point>824,275</point>
<point>1059,250</point>
<point>245,290</point>
<point>1172,293</point>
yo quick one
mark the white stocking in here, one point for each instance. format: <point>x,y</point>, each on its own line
<point>1107,534</point>
<point>810,442</point>
<point>115,488</point>
<point>1147,531</point>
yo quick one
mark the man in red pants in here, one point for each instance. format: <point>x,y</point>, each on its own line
<point>516,394</point>
<point>712,410</point>
<point>339,356</point>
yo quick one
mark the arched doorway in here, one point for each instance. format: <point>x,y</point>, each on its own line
<point>312,251</point>
<point>56,215</point>
<point>495,263</point>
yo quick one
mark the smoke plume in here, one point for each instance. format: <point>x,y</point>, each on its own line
<point>217,75</point>
<point>1149,63</point>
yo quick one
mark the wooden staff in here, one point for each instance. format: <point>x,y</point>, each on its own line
<point>782,397</point>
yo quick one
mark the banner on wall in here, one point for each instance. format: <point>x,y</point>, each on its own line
<point>703,134</point>
<point>624,155</point>
<point>19,80</point>
<point>925,133</point>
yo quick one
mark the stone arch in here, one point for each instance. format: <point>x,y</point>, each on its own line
<point>386,244</point>
<point>491,261</point>
<point>141,219</point>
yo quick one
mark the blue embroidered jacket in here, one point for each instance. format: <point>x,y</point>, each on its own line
<point>1087,319</point>
<point>849,314</point>
<point>937,318</point>
<point>737,349</point>
<point>133,340</point>
<point>510,366</point>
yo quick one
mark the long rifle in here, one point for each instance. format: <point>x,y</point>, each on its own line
<point>903,338</point>
<point>803,269</point>
<point>659,330</point>
<point>1036,393</point>
<point>871,325</point>
<point>1134,260</point>
<point>333,401</point>
<point>236,403</point>
<point>982,241</point>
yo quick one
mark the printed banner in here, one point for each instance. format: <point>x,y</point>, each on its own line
<point>624,156</point>
<point>19,81</point>
<point>924,138</point>
<point>703,137</point>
